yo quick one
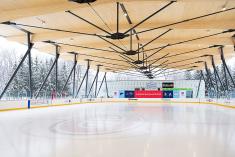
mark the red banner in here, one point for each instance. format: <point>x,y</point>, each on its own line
<point>149,94</point>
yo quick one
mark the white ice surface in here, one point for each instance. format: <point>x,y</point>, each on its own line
<point>119,130</point>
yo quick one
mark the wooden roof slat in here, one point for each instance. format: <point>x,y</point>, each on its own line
<point>51,14</point>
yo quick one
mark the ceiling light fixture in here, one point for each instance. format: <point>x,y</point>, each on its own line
<point>224,6</point>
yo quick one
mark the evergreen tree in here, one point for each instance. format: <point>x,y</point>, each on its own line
<point>23,77</point>
<point>233,72</point>
<point>188,75</point>
<point>36,74</point>
<point>7,59</point>
<point>197,75</point>
<point>14,87</point>
<point>231,87</point>
<point>43,68</point>
<point>63,75</point>
<point>20,84</point>
<point>48,87</point>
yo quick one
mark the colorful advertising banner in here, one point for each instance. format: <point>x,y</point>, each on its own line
<point>121,94</point>
<point>116,94</point>
<point>176,94</point>
<point>168,94</point>
<point>182,94</point>
<point>148,94</point>
<point>189,94</point>
<point>129,94</point>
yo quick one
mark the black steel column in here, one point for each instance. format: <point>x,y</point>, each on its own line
<point>106,85</point>
<point>209,77</point>
<point>206,84</point>
<point>30,67</point>
<point>74,74</point>
<point>216,72</point>
<point>225,64</point>
<point>101,84</point>
<point>56,69</point>
<point>216,82</point>
<point>87,77</point>
<point>96,84</point>
<point>217,87</point>
<point>233,38</point>
<point>73,69</point>
<point>95,79</point>
<point>199,85</point>
<point>30,46</point>
<point>57,57</point>
<point>81,83</point>
<point>225,76</point>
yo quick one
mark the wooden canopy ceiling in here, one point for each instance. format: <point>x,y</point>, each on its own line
<point>178,46</point>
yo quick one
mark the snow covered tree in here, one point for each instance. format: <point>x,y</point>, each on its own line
<point>14,87</point>
<point>188,75</point>
<point>197,75</point>
<point>36,74</point>
<point>63,75</point>
<point>23,76</point>
<point>8,61</point>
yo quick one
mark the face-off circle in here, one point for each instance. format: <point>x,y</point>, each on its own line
<point>87,125</point>
<point>100,124</point>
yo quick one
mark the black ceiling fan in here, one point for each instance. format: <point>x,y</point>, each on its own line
<point>117,35</point>
<point>129,20</point>
<point>83,1</point>
<point>143,67</point>
<point>138,61</point>
<point>132,52</point>
<point>149,72</point>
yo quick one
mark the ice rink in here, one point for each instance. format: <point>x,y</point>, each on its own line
<point>119,130</point>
